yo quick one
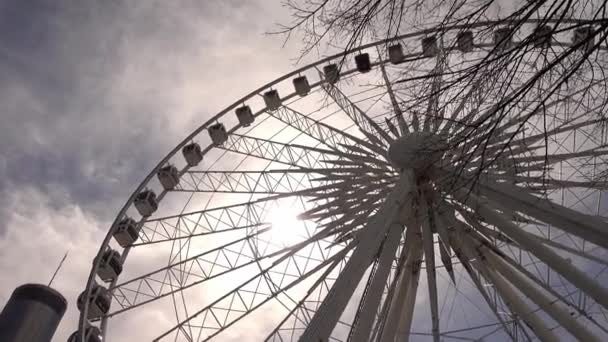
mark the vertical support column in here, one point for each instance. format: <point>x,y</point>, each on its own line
<point>513,300</point>
<point>549,257</point>
<point>407,313</point>
<point>371,237</point>
<point>554,308</point>
<point>510,296</point>
<point>429,259</point>
<point>402,305</point>
<point>372,300</point>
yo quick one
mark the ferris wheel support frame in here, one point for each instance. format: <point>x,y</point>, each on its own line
<point>122,212</point>
<point>554,308</point>
<point>362,329</point>
<point>371,237</point>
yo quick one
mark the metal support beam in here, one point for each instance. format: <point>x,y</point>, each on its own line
<point>371,302</point>
<point>370,238</point>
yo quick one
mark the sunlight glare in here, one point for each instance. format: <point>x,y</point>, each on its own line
<point>287,229</point>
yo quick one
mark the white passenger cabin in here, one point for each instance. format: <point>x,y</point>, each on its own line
<point>429,46</point>
<point>272,99</point>
<point>126,232</point>
<point>331,72</point>
<point>99,302</point>
<point>363,63</point>
<point>581,34</point>
<point>193,154</point>
<point>218,134</point>
<point>542,36</point>
<point>91,334</point>
<point>395,54</point>
<point>301,85</point>
<point>110,265</point>
<point>168,177</point>
<point>146,203</point>
<point>464,41</point>
<point>503,38</point>
<point>245,116</point>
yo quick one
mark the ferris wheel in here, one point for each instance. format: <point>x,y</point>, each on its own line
<point>443,185</point>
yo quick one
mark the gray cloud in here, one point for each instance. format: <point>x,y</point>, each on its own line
<point>92,95</point>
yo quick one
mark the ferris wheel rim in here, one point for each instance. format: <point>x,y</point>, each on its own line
<point>259,91</point>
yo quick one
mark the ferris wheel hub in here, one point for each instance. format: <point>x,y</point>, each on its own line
<point>416,150</point>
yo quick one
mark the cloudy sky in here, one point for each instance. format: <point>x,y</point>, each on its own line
<point>92,95</point>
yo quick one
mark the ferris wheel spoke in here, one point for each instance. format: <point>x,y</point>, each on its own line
<point>254,182</point>
<point>299,316</point>
<point>556,158</point>
<point>403,127</point>
<point>213,220</point>
<point>562,128</point>
<point>366,125</point>
<point>233,300</point>
<point>186,236</point>
<point>363,211</point>
<point>370,302</point>
<point>354,201</point>
<point>401,308</point>
<point>371,238</point>
<point>432,115</point>
<point>335,139</point>
<point>553,184</point>
<point>289,154</point>
<point>587,227</point>
<point>204,266</point>
<point>466,99</point>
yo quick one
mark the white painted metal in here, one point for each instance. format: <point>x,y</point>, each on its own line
<point>406,315</point>
<point>398,320</point>
<point>554,308</point>
<point>370,238</point>
<point>341,201</point>
<point>574,275</point>
<point>520,308</point>
<point>429,259</point>
<point>371,302</point>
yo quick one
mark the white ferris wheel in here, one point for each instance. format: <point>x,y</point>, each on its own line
<point>444,185</point>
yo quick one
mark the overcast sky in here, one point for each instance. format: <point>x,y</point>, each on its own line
<point>92,96</point>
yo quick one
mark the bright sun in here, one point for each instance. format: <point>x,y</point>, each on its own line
<point>286,228</point>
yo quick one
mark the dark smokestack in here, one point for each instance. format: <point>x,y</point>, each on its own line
<point>32,314</point>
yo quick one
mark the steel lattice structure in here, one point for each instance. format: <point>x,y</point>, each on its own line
<point>449,190</point>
